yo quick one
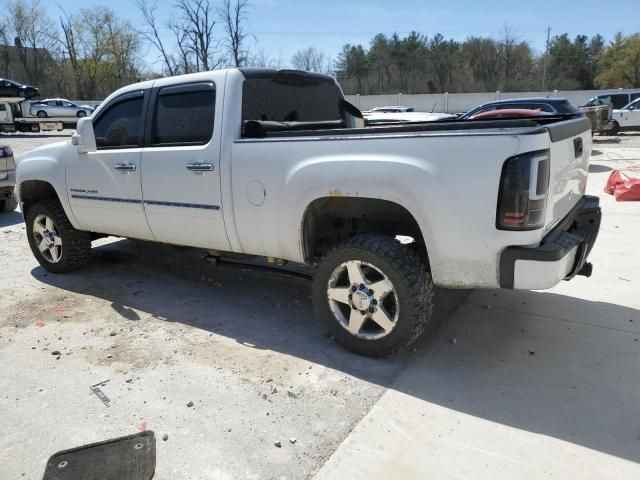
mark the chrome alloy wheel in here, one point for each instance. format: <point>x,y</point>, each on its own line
<point>363,300</point>
<point>47,238</point>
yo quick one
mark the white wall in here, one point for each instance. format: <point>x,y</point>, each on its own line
<point>462,102</point>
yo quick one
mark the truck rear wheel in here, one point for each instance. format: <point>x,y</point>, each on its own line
<point>57,246</point>
<point>375,294</point>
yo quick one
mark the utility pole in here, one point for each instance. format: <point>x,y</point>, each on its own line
<point>546,57</point>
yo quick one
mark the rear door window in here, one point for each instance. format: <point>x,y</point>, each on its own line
<point>184,115</point>
<point>120,126</point>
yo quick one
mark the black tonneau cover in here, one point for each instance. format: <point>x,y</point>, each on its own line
<point>559,127</point>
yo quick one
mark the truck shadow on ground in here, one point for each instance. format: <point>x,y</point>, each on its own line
<point>593,168</point>
<point>545,363</point>
<point>10,218</point>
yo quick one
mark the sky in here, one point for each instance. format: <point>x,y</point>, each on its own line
<point>281,27</point>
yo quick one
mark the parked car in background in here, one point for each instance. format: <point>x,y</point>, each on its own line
<point>374,118</point>
<point>8,200</point>
<point>9,88</point>
<point>391,109</point>
<point>627,118</point>
<point>556,106</point>
<point>510,113</point>
<point>616,100</point>
<point>59,107</point>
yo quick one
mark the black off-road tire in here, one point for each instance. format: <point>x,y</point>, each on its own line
<point>614,130</point>
<point>8,204</point>
<point>404,266</point>
<point>76,244</point>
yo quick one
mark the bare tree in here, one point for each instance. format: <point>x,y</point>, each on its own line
<point>151,33</point>
<point>35,36</point>
<point>310,59</point>
<point>263,60</point>
<point>197,24</point>
<point>508,45</point>
<point>185,51</point>
<point>233,17</point>
<point>102,51</point>
<point>5,57</point>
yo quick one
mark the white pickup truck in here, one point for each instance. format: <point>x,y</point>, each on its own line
<point>627,118</point>
<point>277,164</point>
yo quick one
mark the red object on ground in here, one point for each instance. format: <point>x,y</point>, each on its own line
<point>39,324</point>
<point>623,187</point>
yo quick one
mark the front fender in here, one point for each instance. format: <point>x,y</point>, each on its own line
<point>47,164</point>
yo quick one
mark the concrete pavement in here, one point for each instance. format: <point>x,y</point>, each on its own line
<point>526,385</point>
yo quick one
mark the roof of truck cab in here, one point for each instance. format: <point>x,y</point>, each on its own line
<point>272,72</point>
<point>211,75</point>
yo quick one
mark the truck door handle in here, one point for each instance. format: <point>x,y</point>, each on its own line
<point>200,167</point>
<point>125,166</point>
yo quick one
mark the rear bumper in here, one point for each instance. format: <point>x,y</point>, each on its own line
<point>562,254</point>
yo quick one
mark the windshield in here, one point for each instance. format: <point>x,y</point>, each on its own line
<point>597,101</point>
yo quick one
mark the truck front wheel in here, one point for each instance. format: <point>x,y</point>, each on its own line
<point>375,294</point>
<point>57,246</point>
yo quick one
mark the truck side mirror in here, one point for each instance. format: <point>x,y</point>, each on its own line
<point>83,138</point>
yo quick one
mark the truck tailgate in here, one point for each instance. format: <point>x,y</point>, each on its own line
<point>570,152</point>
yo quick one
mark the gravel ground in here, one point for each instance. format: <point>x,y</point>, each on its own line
<point>23,142</point>
<point>225,360</point>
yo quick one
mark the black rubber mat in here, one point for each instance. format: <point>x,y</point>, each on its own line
<point>125,458</point>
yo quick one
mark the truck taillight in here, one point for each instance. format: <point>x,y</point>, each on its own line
<point>524,187</point>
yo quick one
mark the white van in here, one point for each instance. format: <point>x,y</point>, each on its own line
<point>627,118</point>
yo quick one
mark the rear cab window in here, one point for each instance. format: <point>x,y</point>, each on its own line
<point>290,97</point>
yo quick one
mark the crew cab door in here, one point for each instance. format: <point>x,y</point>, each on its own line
<point>181,166</point>
<point>104,185</point>
<point>630,116</point>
